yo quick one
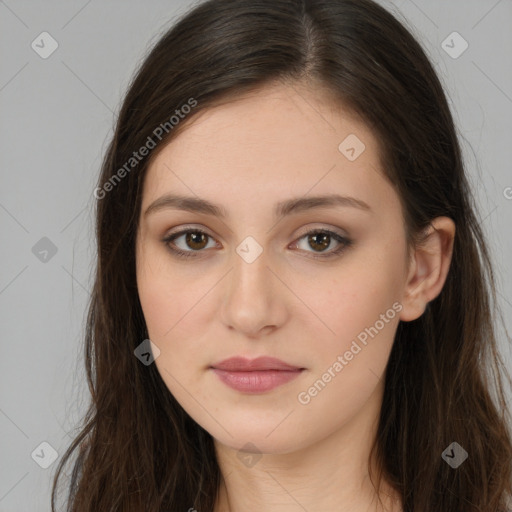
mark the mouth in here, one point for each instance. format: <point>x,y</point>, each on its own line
<point>256,375</point>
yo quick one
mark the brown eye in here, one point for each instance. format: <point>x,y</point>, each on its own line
<point>196,239</point>
<point>319,241</point>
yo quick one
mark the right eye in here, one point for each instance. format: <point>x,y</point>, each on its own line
<point>194,240</point>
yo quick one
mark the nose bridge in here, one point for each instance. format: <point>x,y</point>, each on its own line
<point>250,302</point>
<point>250,277</point>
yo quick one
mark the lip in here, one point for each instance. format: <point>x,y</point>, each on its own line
<point>255,375</point>
<point>242,364</point>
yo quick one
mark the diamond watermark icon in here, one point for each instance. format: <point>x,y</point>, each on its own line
<point>351,147</point>
<point>147,352</point>
<point>454,455</point>
<point>44,455</point>
<point>454,45</point>
<point>249,250</point>
<point>44,45</point>
<point>44,249</point>
<point>249,459</point>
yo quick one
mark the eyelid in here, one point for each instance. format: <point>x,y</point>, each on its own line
<point>325,228</point>
<point>183,228</point>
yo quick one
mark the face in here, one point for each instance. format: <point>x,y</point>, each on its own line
<point>272,271</point>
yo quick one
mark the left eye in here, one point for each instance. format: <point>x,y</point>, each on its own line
<point>320,239</point>
<point>196,240</point>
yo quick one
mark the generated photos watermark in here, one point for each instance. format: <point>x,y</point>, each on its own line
<point>144,150</point>
<point>305,397</point>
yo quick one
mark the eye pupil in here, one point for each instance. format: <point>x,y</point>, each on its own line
<point>325,239</point>
<point>193,238</point>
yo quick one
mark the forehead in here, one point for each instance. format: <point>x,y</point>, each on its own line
<point>278,141</point>
<point>288,120</point>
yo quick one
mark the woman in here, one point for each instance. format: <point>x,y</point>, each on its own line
<point>293,300</point>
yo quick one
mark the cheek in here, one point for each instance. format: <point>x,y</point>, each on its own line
<point>168,296</point>
<point>176,310</point>
<point>363,312</point>
<point>360,305</point>
<point>351,299</point>
<point>171,308</point>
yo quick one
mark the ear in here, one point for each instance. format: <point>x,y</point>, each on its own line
<point>428,268</point>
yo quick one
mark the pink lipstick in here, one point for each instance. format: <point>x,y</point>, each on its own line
<point>255,375</point>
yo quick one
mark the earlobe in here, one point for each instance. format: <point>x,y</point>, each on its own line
<point>429,268</point>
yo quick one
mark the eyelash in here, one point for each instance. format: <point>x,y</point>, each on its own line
<point>345,243</point>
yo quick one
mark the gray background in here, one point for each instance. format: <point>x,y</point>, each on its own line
<point>56,117</point>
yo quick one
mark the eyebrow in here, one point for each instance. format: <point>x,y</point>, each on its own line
<point>281,209</point>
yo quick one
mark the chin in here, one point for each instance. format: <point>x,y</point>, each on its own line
<point>259,446</point>
<point>258,441</point>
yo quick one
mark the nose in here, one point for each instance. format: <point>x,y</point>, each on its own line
<point>253,303</point>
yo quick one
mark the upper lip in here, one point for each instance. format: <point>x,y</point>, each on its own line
<point>241,364</point>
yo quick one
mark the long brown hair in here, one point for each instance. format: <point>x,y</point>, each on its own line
<point>137,448</point>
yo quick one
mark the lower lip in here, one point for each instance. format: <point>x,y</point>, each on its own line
<point>256,381</point>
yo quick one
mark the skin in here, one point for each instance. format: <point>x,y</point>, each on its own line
<point>278,143</point>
